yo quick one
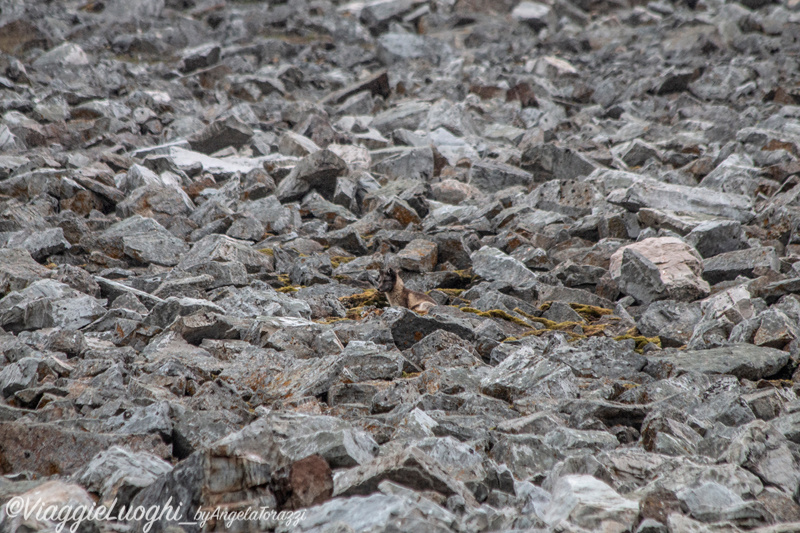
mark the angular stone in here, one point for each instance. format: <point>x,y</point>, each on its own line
<point>377,84</point>
<point>716,237</point>
<point>641,192</point>
<point>415,163</point>
<point>48,303</point>
<point>18,270</point>
<point>408,328</point>
<point>406,511</point>
<point>659,268</point>
<point>419,255</point>
<point>589,503</point>
<point>673,322</point>
<point>49,449</point>
<point>570,197</point>
<point>220,134</point>
<point>118,473</point>
<point>53,494</point>
<point>534,14</point>
<point>551,162</point>
<point>730,265</point>
<point>221,248</point>
<point>317,171</point>
<point>526,373</point>
<point>741,360</point>
<point>411,468</point>
<point>407,115</point>
<point>297,145</point>
<point>494,265</point>
<point>200,57</point>
<point>636,152</point>
<point>66,54</point>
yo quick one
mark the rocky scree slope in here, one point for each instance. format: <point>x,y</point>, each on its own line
<point>603,197</point>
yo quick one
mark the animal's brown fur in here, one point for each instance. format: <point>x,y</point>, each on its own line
<point>391,284</point>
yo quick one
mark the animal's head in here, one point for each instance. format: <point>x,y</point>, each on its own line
<point>387,279</point>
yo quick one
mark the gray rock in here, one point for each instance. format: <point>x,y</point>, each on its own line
<point>317,171</point>
<point>408,328</point>
<point>221,248</point>
<point>548,161</point>
<point>40,244</point>
<point>741,360</point>
<point>419,255</point>
<point>645,192</point>
<point>376,513</point>
<point>200,57</point>
<point>407,115</point>
<point>526,373</point>
<point>48,303</point>
<point>730,265</point>
<point>118,473</point>
<point>491,176</point>
<point>65,54</point>
<point>587,502</point>
<point>716,237</point>
<point>220,134</point>
<point>673,322</point>
<point>534,14</point>
<point>657,269</point>
<point>398,47</point>
<point>411,468</point>
<point>415,163</point>
<point>762,450</point>
<point>18,270</point>
<point>19,375</point>
<point>143,240</point>
<point>492,264</point>
<point>636,152</point>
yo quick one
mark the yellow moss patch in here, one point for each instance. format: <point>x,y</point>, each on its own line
<point>331,320</point>
<point>284,279</point>
<point>368,297</point>
<point>466,275</point>
<point>338,260</point>
<point>450,292</point>
<point>641,340</point>
<point>594,329</point>
<point>496,313</point>
<point>588,312</point>
<point>288,288</point>
<point>267,251</point>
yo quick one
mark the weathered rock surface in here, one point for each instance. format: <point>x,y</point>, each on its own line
<point>602,198</point>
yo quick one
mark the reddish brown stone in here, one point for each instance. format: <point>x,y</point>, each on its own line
<point>48,449</point>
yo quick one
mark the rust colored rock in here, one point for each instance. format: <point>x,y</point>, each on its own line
<point>48,449</point>
<point>304,483</point>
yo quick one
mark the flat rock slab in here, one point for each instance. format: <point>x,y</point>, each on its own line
<point>741,360</point>
<point>411,468</point>
<point>408,328</point>
<point>18,269</point>
<point>48,449</point>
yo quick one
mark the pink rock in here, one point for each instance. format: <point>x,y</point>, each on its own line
<point>659,268</point>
